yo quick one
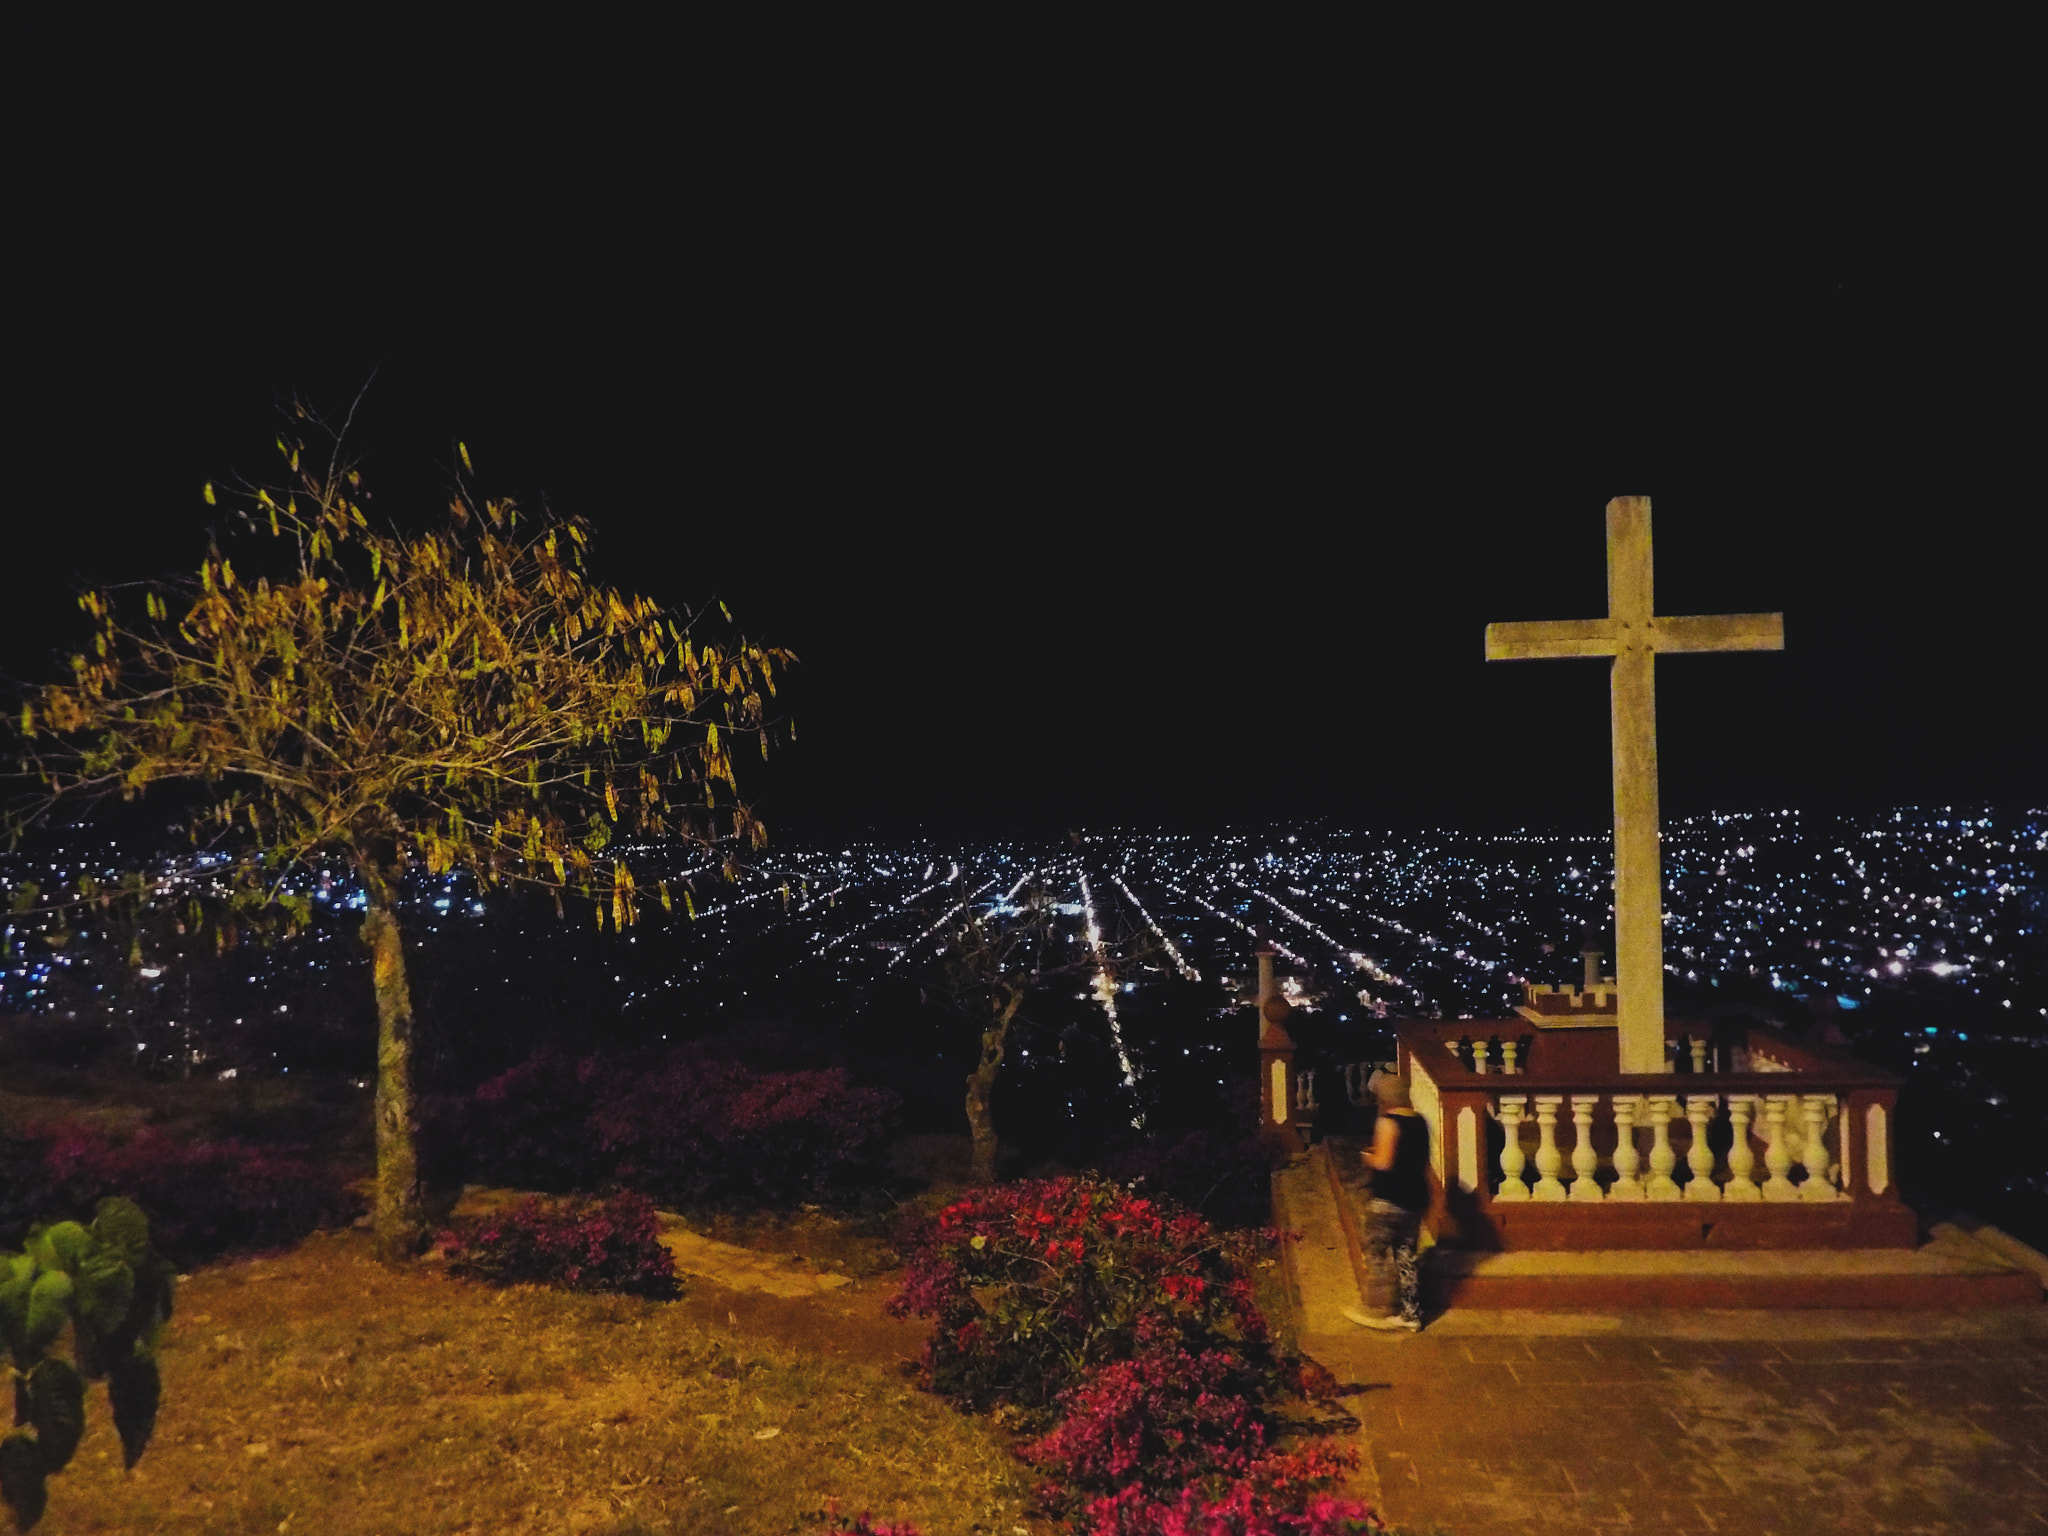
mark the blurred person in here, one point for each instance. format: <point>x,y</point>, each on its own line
<point>1391,1227</point>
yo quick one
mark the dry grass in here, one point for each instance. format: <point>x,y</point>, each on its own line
<point>315,1391</point>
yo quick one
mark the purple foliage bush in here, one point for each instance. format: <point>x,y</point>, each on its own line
<point>694,1126</point>
<point>1173,1441</point>
<point>1034,1284</point>
<point>1282,1495</point>
<point>202,1197</point>
<point>1162,1419</point>
<point>583,1245</point>
<point>1136,1321</point>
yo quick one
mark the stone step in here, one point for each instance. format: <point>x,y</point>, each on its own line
<point>1954,1268</point>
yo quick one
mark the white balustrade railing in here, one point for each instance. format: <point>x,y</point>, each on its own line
<point>1793,1130</point>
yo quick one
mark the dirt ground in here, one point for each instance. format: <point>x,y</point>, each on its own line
<point>315,1390</point>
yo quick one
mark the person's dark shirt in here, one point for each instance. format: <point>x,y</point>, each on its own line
<point>1406,1184</point>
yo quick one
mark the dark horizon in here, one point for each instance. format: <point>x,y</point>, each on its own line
<point>1080,554</point>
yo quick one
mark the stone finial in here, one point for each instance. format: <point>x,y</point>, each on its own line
<point>1274,1012</point>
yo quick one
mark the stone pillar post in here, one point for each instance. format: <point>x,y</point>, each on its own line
<point>1278,1122</point>
<point>1661,1186</point>
<point>1699,1109</point>
<point>1741,1156</point>
<point>1548,1159</point>
<point>1627,1161</point>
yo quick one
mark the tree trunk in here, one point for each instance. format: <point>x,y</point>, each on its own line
<point>981,1084</point>
<point>397,1214</point>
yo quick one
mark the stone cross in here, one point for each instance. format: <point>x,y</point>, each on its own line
<point>1633,633</point>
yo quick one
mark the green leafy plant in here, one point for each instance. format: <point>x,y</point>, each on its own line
<point>114,1291</point>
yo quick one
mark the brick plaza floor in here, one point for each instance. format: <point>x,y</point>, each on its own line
<point>1768,1423</point>
<point>1785,1424</point>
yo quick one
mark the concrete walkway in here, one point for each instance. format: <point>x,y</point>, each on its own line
<point>1768,1423</point>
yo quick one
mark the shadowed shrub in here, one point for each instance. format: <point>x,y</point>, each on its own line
<point>529,1126</point>
<point>692,1127</point>
<point>705,1127</point>
<point>1224,1175</point>
<point>607,1245</point>
<point>25,1193</point>
<point>202,1198</point>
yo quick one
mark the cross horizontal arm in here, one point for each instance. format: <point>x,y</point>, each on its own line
<point>1550,637</point>
<point>1719,632</point>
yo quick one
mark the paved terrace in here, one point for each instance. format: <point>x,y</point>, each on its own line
<point>1681,1421</point>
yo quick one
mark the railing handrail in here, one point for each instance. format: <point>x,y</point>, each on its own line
<point>1464,1080</point>
<point>1821,1067</point>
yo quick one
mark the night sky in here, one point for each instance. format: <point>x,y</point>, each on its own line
<point>1178,510</point>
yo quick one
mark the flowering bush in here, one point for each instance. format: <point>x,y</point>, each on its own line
<point>1136,1321</point>
<point>1174,1441</point>
<point>1161,1420</point>
<point>201,1197</point>
<point>1035,1283</point>
<point>694,1126</point>
<point>1281,1496</point>
<point>581,1245</point>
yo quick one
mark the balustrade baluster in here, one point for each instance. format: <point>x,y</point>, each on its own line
<point>1699,1054</point>
<point>1699,1157</point>
<point>1777,1154</point>
<point>1661,1186</point>
<point>1584,1161</point>
<point>1627,1160</point>
<point>1741,1156</point>
<point>1512,1160</point>
<point>1508,1048</point>
<point>1815,1152</point>
<point>1548,1158</point>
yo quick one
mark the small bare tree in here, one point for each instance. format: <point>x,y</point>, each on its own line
<point>463,698</point>
<point>996,958</point>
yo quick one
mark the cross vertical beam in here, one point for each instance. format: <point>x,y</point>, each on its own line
<point>1632,634</point>
<point>1638,872</point>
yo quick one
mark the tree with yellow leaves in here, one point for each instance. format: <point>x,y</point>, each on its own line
<point>467,698</point>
